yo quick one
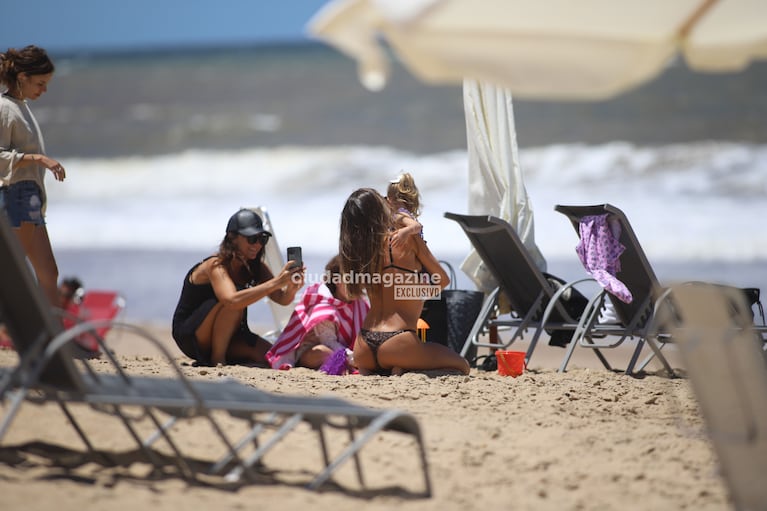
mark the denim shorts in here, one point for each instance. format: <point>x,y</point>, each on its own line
<point>23,202</point>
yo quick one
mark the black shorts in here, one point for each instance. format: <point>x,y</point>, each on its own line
<point>186,338</point>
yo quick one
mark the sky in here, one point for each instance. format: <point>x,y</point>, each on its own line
<point>109,25</point>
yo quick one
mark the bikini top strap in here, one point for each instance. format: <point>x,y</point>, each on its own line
<point>397,267</point>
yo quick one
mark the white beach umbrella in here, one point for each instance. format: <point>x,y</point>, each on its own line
<point>546,49</point>
<point>537,49</point>
<point>496,185</point>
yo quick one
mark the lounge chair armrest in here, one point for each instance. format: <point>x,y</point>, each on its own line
<point>555,298</point>
<point>92,326</point>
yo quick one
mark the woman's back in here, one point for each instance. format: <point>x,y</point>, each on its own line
<point>394,302</point>
<point>393,276</point>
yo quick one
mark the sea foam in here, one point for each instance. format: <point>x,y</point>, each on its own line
<point>697,201</point>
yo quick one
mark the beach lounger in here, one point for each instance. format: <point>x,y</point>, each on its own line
<point>537,303</point>
<point>635,319</point>
<point>47,372</point>
<point>713,330</point>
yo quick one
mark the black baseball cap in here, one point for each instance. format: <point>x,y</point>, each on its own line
<point>246,223</point>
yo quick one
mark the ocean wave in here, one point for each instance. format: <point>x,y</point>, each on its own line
<point>703,168</point>
<point>686,201</point>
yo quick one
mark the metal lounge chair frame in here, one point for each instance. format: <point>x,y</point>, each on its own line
<point>535,302</point>
<point>47,371</point>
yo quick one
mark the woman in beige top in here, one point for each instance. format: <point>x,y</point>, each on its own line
<point>26,73</point>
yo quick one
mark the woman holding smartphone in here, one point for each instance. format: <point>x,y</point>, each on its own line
<point>210,323</point>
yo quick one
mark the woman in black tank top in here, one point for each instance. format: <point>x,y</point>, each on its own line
<point>210,323</point>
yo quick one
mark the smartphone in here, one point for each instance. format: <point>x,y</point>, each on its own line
<point>294,254</point>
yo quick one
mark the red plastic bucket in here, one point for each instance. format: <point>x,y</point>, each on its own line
<point>510,363</point>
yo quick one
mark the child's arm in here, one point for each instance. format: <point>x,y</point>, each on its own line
<point>408,226</point>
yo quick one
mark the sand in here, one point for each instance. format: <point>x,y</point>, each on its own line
<point>585,439</point>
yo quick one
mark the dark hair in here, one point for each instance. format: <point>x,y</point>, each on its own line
<point>252,271</point>
<point>31,60</point>
<point>70,290</point>
<point>365,224</point>
<point>72,284</point>
<point>332,271</point>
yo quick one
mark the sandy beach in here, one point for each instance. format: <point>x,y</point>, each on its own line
<point>585,439</point>
<point>164,136</point>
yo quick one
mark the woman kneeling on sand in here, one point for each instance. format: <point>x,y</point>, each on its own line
<point>210,324</point>
<point>393,278</point>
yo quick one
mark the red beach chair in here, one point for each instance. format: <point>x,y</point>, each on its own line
<point>95,305</point>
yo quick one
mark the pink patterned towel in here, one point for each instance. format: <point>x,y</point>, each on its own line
<point>599,250</point>
<point>317,305</point>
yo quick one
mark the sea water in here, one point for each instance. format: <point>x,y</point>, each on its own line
<point>162,147</point>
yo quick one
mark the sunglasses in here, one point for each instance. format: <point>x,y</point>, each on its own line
<point>257,238</point>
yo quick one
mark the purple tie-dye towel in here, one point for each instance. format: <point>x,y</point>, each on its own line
<point>599,250</point>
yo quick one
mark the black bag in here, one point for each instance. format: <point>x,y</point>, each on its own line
<point>435,314</point>
<point>463,308</point>
<point>452,316</point>
<point>751,296</point>
<point>573,302</point>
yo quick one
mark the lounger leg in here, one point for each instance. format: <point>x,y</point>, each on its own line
<point>244,467</point>
<point>598,353</point>
<point>568,354</point>
<point>646,361</point>
<point>256,429</point>
<point>357,462</point>
<point>531,347</point>
<point>590,313</point>
<point>16,398</point>
<point>158,433</point>
<point>30,367</point>
<point>235,474</point>
<point>375,427</point>
<point>80,431</point>
<point>553,301</point>
<point>180,460</point>
<point>660,315</point>
<point>656,353</point>
<point>635,356</point>
<point>150,455</point>
<point>592,320</point>
<point>484,313</point>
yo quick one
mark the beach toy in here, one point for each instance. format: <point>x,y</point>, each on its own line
<point>422,327</point>
<point>336,364</point>
<point>510,363</point>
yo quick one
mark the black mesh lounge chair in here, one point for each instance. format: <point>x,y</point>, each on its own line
<point>712,329</point>
<point>635,317</point>
<point>536,302</point>
<point>47,371</point>
<point>649,298</point>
